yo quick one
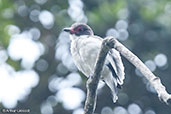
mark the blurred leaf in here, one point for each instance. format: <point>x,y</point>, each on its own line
<point>14,64</point>
<point>105,14</point>
<point>4,6</point>
<point>152,10</point>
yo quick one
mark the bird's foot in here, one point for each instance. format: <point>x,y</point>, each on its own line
<point>109,42</point>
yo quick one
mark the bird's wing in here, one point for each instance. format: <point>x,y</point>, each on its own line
<point>115,65</point>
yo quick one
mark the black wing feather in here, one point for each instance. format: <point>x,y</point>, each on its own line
<point>112,69</point>
<point>109,65</point>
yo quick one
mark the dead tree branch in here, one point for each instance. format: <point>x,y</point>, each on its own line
<point>93,81</point>
<point>154,80</point>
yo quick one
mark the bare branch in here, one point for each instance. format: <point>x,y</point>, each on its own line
<point>154,81</point>
<point>93,81</point>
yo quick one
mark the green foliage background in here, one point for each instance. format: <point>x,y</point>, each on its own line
<point>148,15</point>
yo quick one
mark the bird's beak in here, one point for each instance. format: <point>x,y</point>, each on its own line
<point>67,29</point>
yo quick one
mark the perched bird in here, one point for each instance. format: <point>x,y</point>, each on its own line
<point>85,47</point>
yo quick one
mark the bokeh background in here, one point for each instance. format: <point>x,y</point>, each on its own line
<point>36,67</point>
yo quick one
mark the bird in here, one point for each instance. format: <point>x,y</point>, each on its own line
<point>85,47</point>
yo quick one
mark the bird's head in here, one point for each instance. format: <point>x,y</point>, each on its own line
<point>79,29</point>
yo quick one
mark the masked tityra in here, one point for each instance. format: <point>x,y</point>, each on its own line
<point>85,47</point>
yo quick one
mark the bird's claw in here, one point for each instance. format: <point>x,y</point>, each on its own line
<point>109,41</point>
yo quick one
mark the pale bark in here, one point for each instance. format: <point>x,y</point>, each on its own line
<point>93,81</point>
<point>153,80</point>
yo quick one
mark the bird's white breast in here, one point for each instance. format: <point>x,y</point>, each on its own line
<point>84,51</point>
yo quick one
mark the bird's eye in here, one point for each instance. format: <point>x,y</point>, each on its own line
<point>80,29</point>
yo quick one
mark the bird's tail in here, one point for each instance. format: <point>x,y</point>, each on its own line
<point>112,84</point>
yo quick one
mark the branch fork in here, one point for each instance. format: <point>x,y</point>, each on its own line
<point>92,83</point>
